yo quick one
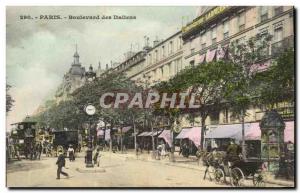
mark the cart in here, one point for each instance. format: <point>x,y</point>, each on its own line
<point>62,140</point>
<point>24,138</point>
<point>239,171</point>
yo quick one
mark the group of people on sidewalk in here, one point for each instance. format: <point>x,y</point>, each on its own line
<point>61,161</point>
<point>160,152</point>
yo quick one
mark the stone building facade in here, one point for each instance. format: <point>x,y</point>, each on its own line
<point>212,31</point>
<point>201,41</point>
<point>74,78</point>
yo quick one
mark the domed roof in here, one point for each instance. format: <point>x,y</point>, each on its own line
<point>272,119</point>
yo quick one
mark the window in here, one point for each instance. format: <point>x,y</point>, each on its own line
<point>214,117</point>
<point>226,29</point>
<point>158,73</point>
<point>278,46</point>
<point>214,35</point>
<point>156,55</point>
<point>163,51</point>
<point>203,41</point>
<point>263,13</point>
<point>180,42</point>
<point>278,34</point>
<point>278,10</point>
<point>264,52</point>
<point>175,67</point>
<point>226,116</point>
<point>242,21</point>
<point>162,71</point>
<point>180,64</point>
<point>150,58</point>
<point>171,47</point>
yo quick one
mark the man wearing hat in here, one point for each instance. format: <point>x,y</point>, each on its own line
<point>61,162</point>
<point>233,151</point>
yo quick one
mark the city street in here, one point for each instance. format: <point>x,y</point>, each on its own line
<point>190,96</point>
<point>119,172</point>
<point>116,170</point>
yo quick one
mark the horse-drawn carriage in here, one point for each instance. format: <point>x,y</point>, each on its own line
<point>219,169</point>
<point>62,140</point>
<point>23,138</point>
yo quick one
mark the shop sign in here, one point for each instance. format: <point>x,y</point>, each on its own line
<point>204,18</point>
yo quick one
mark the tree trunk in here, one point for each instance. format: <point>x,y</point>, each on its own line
<point>135,133</point>
<point>122,139</point>
<point>173,146</point>
<point>104,133</point>
<point>111,138</point>
<point>243,135</point>
<point>203,118</point>
<point>152,138</point>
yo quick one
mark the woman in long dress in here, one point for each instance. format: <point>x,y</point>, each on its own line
<point>163,150</point>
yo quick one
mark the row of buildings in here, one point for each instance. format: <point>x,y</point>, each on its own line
<point>204,39</point>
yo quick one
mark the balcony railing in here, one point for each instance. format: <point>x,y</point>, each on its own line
<point>281,46</point>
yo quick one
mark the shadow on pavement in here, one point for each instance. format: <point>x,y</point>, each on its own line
<point>21,166</point>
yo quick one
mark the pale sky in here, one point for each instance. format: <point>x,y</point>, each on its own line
<point>39,52</point>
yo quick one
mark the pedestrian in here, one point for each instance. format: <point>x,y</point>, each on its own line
<point>49,150</point>
<point>17,153</point>
<point>163,150</point>
<point>39,150</point>
<point>32,151</point>
<point>79,147</point>
<point>71,153</point>
<point>148,147</point>
<point>61,162</point>
<point>159,149</point>
<point>95,158</point>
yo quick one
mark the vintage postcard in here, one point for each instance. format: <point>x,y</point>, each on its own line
<point>150,96</point>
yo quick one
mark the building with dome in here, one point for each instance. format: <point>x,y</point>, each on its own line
<point>73,79</point>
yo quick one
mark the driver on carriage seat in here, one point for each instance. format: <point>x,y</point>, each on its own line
<point>233,152</point>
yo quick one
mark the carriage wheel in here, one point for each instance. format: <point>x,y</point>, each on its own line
<point>258,180</point>
<point>237,177</point>
<point>219,175</point>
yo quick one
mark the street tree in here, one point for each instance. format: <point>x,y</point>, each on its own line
<point>249,56</point>
<point>277,84</point>
<point>207,82</point>
<point>9,100</point>
<point>113,83</point>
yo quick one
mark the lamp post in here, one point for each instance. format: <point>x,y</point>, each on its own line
<point>90,110</point>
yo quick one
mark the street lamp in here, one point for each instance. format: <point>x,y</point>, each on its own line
<point>90,110</point>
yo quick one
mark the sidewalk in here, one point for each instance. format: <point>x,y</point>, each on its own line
<point>189,163</point>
